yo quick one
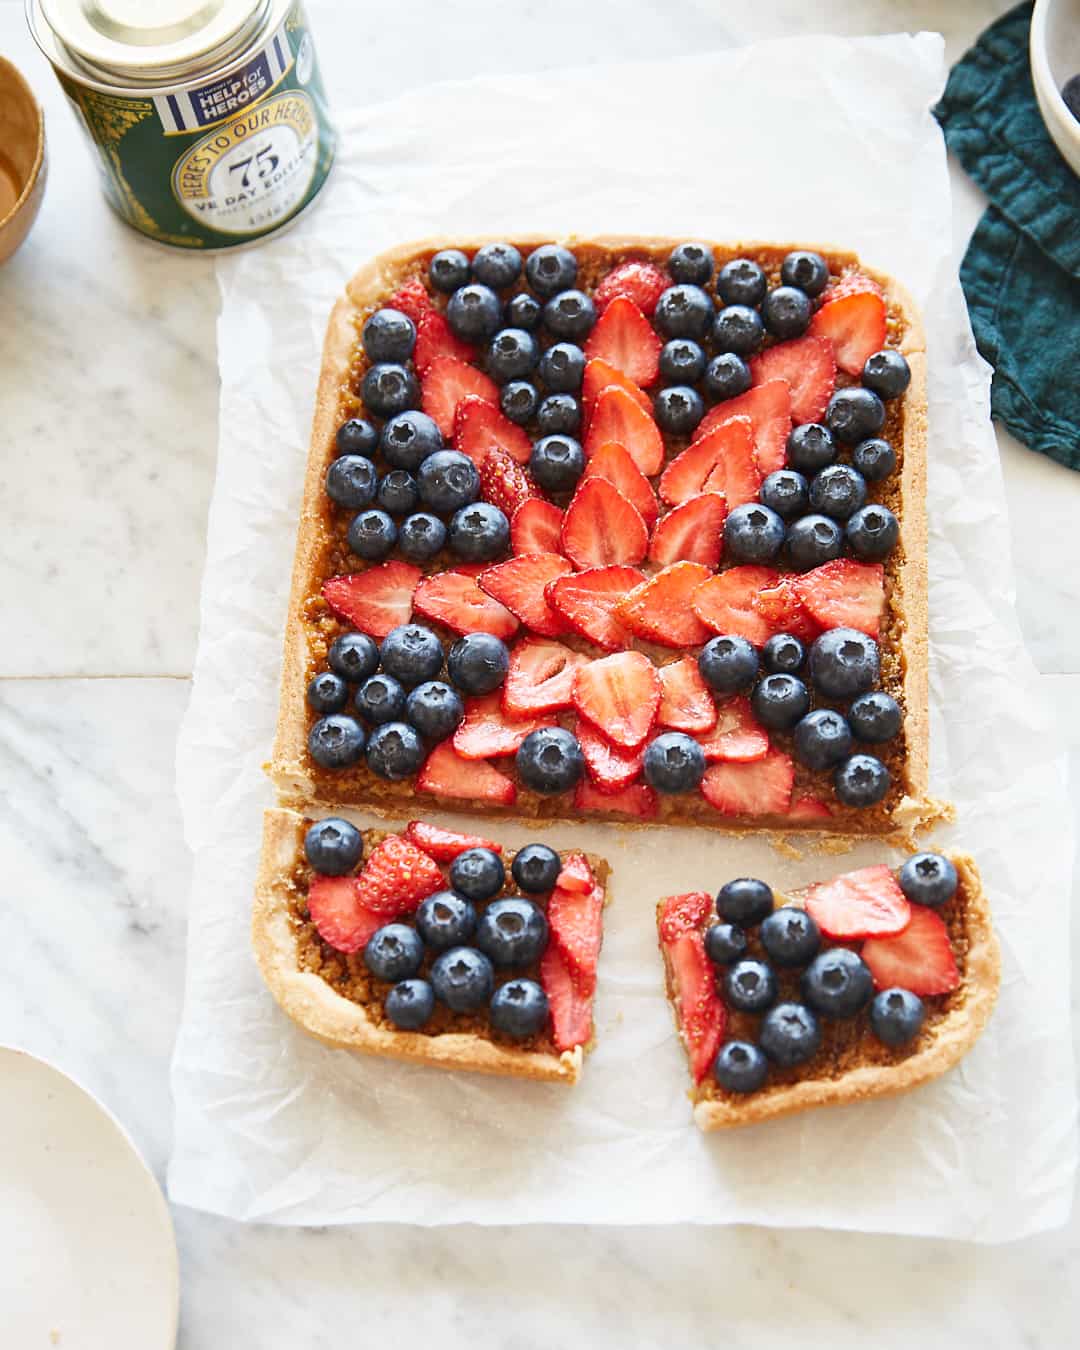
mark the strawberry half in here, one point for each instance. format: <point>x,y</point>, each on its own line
<point>616,416</point>
<point>761,788</point>
<point>641,282</point>
<point>920,958</point>
<point>575,918</point>
<point>374,601</point>
<point>865,903</point>
<point>808,366</point>
<point>479,425</point>
<point>444,845</point>
<point>339,916</point>
<point>660,609</point>
<point>455,599</point>
<point>624,338</point>
<point>679,914</point>
<point>691,532</point>
<point>782,609</point>
<point>808,808</point>
<point>855,322</point>
<point>612,462</point>
<point>601,527</point>
<point>619,695</point>
<point>638,800</point>
<point>446,383</point>
<point>486,732</point>
<point>723,461</point>
<point>540,677</point>
<point>535,527</point>
<point>446,774</point>
<point>686,702</point>
<point>737,737</point>
<point>396,877</point>
<point>412,299</point>
<point>702,1017</point>
<point>610,768</point>
<point>768,407</point>
<point>576,874</point>
<point>569,999</point>
<point>505,483</point>
<point>852,282</point>
<point>587,601</point>
<point>845,594</point>
<point>600,375</point>
<point>726,602</point>
<point>519,584</point>
<point>435,338</point>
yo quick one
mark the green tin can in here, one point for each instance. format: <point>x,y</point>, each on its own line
<point>208,117</point>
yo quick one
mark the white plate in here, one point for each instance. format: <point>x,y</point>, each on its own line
<point>87,1253</point>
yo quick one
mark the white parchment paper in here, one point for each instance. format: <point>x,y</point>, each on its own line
<point>803,140</point>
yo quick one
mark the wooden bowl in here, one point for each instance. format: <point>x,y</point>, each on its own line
<point>22,159</point>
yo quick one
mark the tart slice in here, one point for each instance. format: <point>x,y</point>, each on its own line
<point>862,986</point>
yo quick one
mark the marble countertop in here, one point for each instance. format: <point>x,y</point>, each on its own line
<point>108,389</point>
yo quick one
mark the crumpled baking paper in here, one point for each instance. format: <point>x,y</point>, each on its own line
<point>802,140</point>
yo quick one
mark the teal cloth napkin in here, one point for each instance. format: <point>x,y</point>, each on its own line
<point>1021,272</point>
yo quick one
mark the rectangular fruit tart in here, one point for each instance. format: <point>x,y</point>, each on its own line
<point>626,528</point>
<point>430,945</point>
<point>862,986</point>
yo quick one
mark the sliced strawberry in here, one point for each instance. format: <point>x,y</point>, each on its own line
<point>782,609</point>
<point>721,462</point>
<point>610,768</point>
<point>737,737</point>
<point>808,808</point>
<point>919,959</point>
<point>479,425</point>
<point>660,609</point>
<point>448,381</point>
<point>768,407</point>
<point>725,603</point>
<point>641,282</point>
<point>339,916</point>
<point>504,482</point>
<point>575,874</point>
<point>519,584</point>
<point>616,416</point>
<point>855,322</point>
<point>486,732</point>
<point>702,1017</point>
<point>455,599</point>
<point>445,845</point>
<point>853,282</point>
<point>624,338</point>
<point>576,922</point>
<point>396,877</point>
<point>601,528</point>
<point>374,601</point>
<point>612,462</point>
<point>808,366</point>
<point>446,774</point>
<point>540,677</point>
<point>866,903</point>
<point>691,532</point>
<point>761,788</point>
<point>619,695</point>
<point>587,601</point>
<point>435,338</point>
<point>686,703</point>
<point>412,299</point>
<point>599,375</point>
<point>638,800</point>
<point>845,594</point>
<point>569,999</point>
<point>535,527</point>
<point>679,914</point>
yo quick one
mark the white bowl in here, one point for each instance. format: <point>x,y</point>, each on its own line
<point>1055,58</point>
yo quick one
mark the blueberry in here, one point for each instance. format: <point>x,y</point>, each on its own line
<point>421,536</point>
<point>928,879</point>
<point>790,1034</point>
<point>741,282</point>
<point>725,943</point>
<point>380,699</point>
<point>463,979</point>
<point>435,710</point>
<point>854,414</point>
<point>409,1004</point>
<point>518,401</point>
<point>448,270</point>
<point>808,271</point>
<point>886,373</point>
<point>786,312</point>
<point>844,663</point>
<point>740,1067</point>
<point>678,408</point>
<point>738,329</point>
<point>875,717</point>
<point>875,459</point>
<point>896,1016</point>
<point>872,532</point>
<point>813,540</point>
<point>394,952</point>
<point>479,533</point>
<point>388,335</point>
<point>350,481</point>
<point>810,447</point>
<point>496,265</point>
<point>779,701</point>
<point>861,780</point>
<point>411,654</point>
<point>354,656</point>
<point>559,415</point>
<point>790,936</point>
<point>786,492</point>
<point>822,739</point>
<point>336,741</point>
<point>570,315</point>
<point>477,663</point>
<point>388,388</point>
<point>395,751</point>
<point>356,437</point>
<point>448,480</point>
<point>327,692</point>
<point>474,313</point>
<point>397,493</point>
<point>536,868</point>
<point>550,268</point>
<point>408,439</point>
<point>682,361</point>
<point>726,376</point>
<point>333,847</point>
<point>372,534</point>
<point>478,873</point>
<point>684,311</point>
<point>745,901</point>
<point>524,311</point>
<point>519,1008</point>
<point>837,491</point>
<point>837,983</point>
<point>674,762</point>
<point>750,986</point>
<point>753,533</point>
<point>691,263</point>
<point>783,654</point>
<point>728,663</point>
<point>562,368</point>
<point>513,932</point>
<point>550,760</point>
<point>557,462</point>
<point>513,352</point>
<point>446,919</point>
